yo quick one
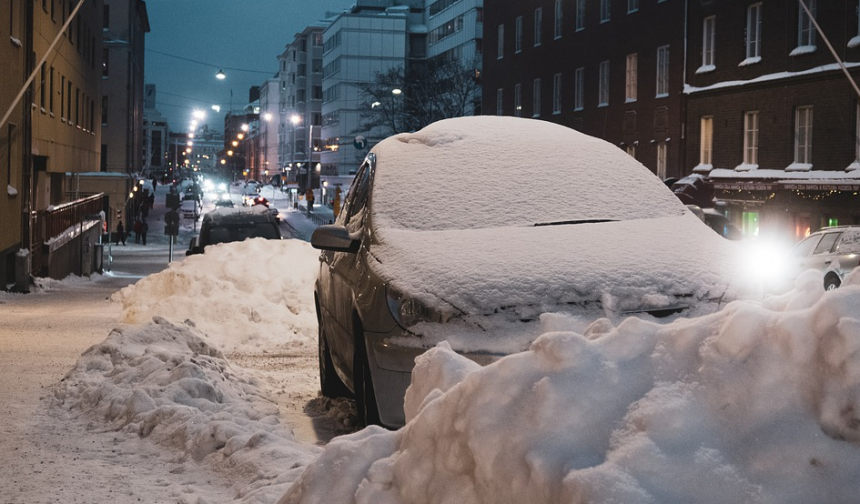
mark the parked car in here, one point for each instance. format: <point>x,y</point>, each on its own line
<point>470,229</point>
<point>275,213</point>
<point>833,250</point>
<point>189,209</point>
<point>226,225</point>
<point>224,202</point>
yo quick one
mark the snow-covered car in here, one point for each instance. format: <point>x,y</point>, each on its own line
<point>224,225</point>
<point>835,251</point>
<point>480,231</point>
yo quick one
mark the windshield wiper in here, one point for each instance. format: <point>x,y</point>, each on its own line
<point>580,221</point>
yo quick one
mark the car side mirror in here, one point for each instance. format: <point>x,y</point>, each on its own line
<point>334,238</point>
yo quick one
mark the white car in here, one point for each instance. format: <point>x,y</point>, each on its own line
<point>478,231</point>
<point>189,209</point>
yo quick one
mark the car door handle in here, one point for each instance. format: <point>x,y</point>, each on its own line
<point>827,262</point>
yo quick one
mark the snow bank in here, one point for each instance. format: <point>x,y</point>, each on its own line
<point>165,382</point>
<point>252,295</point>
<point>757,403</point>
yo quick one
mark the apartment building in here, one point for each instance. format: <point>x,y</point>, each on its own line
<point>772,118</point>
<point>611,69</point>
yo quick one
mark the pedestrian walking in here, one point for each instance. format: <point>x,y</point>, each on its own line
<point>309,196</point>
<point>120,234</point>
<point>144,227</point>
<point>137,226</point>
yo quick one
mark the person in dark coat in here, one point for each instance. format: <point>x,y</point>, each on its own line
<point>137,226</point>
<point>120,234</point>
<point>144,227</point>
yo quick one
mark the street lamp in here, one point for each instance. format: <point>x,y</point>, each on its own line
<point>220,75</point>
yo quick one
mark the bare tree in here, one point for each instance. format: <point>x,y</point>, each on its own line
<point>427,92</point>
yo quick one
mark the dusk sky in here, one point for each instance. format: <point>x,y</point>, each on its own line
<point>191,39</point>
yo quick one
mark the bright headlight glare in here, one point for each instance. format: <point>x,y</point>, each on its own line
<point>222,186</point>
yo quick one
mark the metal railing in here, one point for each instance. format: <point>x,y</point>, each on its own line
<point>50,223</point>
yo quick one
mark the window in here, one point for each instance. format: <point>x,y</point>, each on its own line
<point>579,89</point>
<point>708,29</point>
<point>580,15</point>
<point>805,28</point>
<point>104,113</point>
<point>106,18</point>
<point>499,101</point>
<point>706,140</point>
<point>538,23</point>
<point>556,93</point>
<point>754,32</point>
<point>632,77</point>
<point>751,138</point>
<point>536,98</point>
<point>13,21</point>
<point>42,87</point>
<point>661,160</point>
<point>105,63</point>
<point>857,133</point>
<point>518,35</point>
<point>631,150</point>
<point>10,151</point>
<point>663,71</point>
<point>603,87</point>
<point>63,97</point>
<point>803,135</point>
<point>500,52</point>
<point>558,19</point>
<point>518,100</point>
<point>632,6</point>
<point>604,11</point>
<point>51,91</point>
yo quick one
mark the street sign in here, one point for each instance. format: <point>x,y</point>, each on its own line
<point>171,223</point>
<point>172,201</point>
<point>360,142</point>
<point>171,230</point>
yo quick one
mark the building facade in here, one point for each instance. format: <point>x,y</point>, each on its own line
<point>125,26</point>
<point>300,106</point>
<point>357,45</point>
<point>155,137</point>
<point>772,118</point>
<point>614,70</point>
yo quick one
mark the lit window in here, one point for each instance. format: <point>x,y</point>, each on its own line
<point>706,140</point>
<point>751,138</point>
<point>632,76</point>
<point>803,135</point>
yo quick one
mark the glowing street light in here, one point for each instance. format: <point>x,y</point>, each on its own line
<point>220,75</point>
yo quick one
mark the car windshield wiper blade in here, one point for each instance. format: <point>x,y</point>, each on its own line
<point>578,221</point>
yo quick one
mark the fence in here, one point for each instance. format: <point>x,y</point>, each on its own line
<point>50,223</point>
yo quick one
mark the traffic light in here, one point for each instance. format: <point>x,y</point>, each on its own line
<point>119,214</point>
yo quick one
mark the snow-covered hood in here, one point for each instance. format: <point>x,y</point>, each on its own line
<point>618,266</point>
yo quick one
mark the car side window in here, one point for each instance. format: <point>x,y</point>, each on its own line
<point>803,248</point>
<point>826,243</point>
<point>356,199</point>
<point>850,243</point>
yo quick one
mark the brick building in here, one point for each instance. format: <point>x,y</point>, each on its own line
<point>610,69</point>
<point>745,93</point>
<point>772,118</point>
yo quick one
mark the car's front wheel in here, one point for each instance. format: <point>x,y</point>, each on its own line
<point>832,283</point>
<point>365,397</point>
